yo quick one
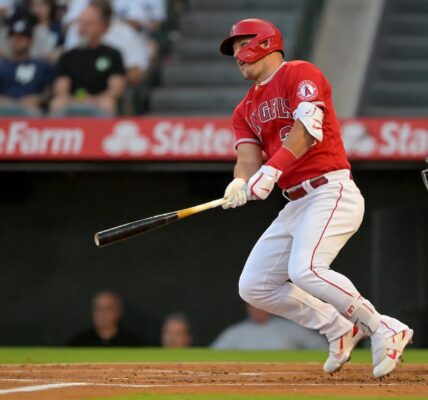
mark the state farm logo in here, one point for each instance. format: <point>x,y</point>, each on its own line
<point>169,139</point>
<point>357,140</point>
<point>126,138</point>
<point>393,139</point>
<point>20,138</point>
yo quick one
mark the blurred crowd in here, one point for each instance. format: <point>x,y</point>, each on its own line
<point>80,57</point>
<point>259,331</point>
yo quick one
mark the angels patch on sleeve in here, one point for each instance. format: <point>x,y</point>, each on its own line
<point>307,90</point>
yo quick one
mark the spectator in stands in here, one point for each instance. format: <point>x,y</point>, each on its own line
<point>93,73</point>
<point>106,330</point>
<point>23,80</point>
<point>73,10</point>
<point>176,331</point>
<point>6,8</point>
<point>263,331</point>
<point>48,32</point>
<point>144,15</point>
<point>129,11</point>
<point>135,47</point>
<point>154,14</point>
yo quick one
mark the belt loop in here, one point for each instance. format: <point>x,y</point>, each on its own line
<point>284,194</point>
<point>306,185</point>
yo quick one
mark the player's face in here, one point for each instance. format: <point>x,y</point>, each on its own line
<point>250,71</point>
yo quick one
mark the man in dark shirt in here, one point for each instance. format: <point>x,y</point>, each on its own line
<point>23,80</point>
<point>92,73</point>
<point>106,331</point>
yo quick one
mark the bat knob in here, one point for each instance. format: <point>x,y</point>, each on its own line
<point>97,240</point>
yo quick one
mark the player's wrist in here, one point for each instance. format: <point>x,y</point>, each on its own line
<point>240,179</point>
<point>273,172</point>
<point>282,159</point>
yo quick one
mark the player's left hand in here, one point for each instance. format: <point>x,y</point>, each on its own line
<point>235,194</point>
<point>262,183</point>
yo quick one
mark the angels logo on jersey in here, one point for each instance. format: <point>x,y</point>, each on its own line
<point>307,90</point>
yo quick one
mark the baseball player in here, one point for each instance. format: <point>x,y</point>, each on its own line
<point>288,115</point>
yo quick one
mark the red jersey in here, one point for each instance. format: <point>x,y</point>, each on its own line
<point>265,117</point>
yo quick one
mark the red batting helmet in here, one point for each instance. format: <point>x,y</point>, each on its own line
<point>262,31</point>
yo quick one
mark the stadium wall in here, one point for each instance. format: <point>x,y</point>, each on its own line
<point>51,267</point>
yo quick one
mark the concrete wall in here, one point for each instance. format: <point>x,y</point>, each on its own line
<point>343,45</point>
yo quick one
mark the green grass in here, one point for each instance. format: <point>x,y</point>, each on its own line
<point>19,355</point>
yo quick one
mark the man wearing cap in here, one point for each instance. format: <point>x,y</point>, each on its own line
<point>23,80</point>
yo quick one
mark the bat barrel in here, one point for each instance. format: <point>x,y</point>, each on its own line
<point>132,229</point>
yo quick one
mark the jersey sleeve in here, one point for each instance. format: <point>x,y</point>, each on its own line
<point>243,132</point>
<point>117,67</point>
<point>307,84</point>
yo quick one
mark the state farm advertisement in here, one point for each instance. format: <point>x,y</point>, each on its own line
<point>186,138</point>
<point>385,139</point>
<point>104,139</point>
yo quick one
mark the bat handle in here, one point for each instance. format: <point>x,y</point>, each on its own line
<point>201,207</point>
<point>217,203</point>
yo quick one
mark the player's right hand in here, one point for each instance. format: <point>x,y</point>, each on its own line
<point>235,193</point>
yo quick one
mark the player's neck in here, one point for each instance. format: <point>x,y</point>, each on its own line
<point>271,67</point>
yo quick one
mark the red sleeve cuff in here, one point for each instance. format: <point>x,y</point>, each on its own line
<point>282,159</point>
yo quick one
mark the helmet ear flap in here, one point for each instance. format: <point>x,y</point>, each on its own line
<point>252,51</point>
<point>258,48</point>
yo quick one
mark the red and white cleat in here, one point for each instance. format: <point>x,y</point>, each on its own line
<point>341,349</point>
<point>388,353</point>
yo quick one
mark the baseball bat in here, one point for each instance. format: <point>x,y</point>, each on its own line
<point>132,229</point>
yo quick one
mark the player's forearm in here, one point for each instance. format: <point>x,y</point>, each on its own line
<point>298,141</point>
<point>246,169</point>
<point>248,161</point>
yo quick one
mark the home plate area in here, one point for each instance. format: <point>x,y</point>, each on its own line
<point>79,381</point>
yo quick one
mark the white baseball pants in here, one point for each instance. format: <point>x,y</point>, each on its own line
<point>300,245</point>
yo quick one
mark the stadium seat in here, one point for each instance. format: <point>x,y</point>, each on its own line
<point>197,78</point>
<point>217,100</point>
<point>397,80</point>
<point>17,110</point>
<point>80,110</point>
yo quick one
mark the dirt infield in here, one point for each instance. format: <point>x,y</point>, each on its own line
<point>78,381</point>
